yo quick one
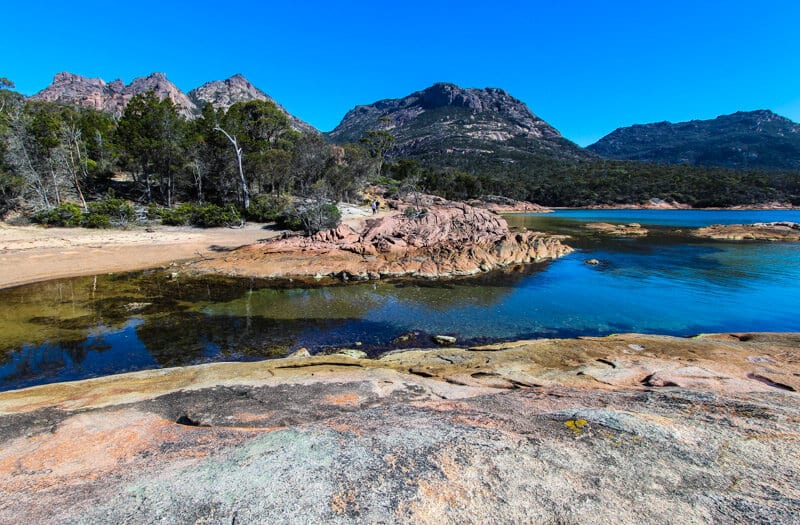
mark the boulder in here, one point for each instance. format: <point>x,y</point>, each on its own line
<point>549,431</point>
<point>444,340</point>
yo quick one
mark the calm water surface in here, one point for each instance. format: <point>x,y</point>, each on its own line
<point>664,283</point>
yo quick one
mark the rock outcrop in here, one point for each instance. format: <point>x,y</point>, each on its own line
<point>95,93</point>
<point>760,231</point>
<point>632,229</point>
<point>222,94</point>
<point>627,429</point>
<point>449,239</point>
<point>500,204</point>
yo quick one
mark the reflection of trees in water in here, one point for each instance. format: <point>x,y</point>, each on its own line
<point>484,290</point>
<point>66,311</point>
<point>184,338</point>
<point>47,362</point>
<point>54,326</point>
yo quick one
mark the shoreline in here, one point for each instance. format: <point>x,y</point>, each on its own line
<point>450,432</point>
<point>32,253</point>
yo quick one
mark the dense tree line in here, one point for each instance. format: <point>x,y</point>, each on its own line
<point>555,182</point>
<point>248,161</point>
<point>247,158</point>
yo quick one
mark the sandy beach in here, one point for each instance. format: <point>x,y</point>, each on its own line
<point>35,253</point>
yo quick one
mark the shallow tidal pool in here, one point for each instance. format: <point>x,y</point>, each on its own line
<point>664,283</point>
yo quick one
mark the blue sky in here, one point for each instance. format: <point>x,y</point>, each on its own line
<point>587,67</point>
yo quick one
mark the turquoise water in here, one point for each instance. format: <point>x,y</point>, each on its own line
<point>665,283</point>
<point>676,218</point>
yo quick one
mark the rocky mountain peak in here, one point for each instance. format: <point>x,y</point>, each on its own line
<point>445,119</point>
<point>69,88</point>
<point>95,93</point>
<point>66,78</point>
<point>222,94</point>
<point>444,94</point>
<point>163,89</point>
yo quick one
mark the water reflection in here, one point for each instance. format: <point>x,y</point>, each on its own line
<point>662,283</point>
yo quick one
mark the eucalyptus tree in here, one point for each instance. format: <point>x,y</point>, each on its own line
<point>33,140</point>
<point>378,142</point>
<point>261,138</point>
<point>11,184</point>
<point>149,136</point>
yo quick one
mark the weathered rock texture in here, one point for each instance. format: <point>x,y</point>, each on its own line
<point>450,239</point>
<point>760,231</point>
<point>95,93</point>
<point>624,429</point>
<point>618,230</point>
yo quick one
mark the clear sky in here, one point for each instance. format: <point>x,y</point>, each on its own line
<point>586,67</point>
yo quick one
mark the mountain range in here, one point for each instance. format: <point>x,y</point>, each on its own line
<point>112,97</point>
<point>753,139</point>
<point>466,127</point>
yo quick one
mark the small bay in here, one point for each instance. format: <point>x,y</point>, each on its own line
<point>666,282</point>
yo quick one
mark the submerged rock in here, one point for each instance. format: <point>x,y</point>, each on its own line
<point>618,230</point>
<point>760,231</point>
<point>351,352</point>
<point>300,352</point>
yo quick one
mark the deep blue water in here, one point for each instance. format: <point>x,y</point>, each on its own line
<point>664,283</point>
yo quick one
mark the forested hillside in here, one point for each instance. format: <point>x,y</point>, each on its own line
<point>244,160</point>
<point>67,164</point>
<point>743,140</point>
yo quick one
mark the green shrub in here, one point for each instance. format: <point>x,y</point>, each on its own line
<point>203,215</point>
<point>310,217</point>
<point>180,215</point>
<point>267,207</point>
<point>211,215</point>
<point>116,211</point>
<point>67,214</point>
<point>154,211</point>
<point>96,220</point>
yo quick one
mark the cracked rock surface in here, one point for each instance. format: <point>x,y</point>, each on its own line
<point>621,429</point>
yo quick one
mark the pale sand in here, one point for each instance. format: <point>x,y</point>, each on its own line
<point>31,254</point>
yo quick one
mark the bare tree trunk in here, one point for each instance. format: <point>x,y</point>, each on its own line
<point>55,181</point>
<point>77,166</point>
<point>243,181</point>
<point>198,179</point>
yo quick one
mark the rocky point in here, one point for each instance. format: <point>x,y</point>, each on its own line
<point>447,239</point>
